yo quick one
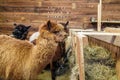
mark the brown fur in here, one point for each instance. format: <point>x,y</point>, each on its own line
<point>21,60</point>
<point>58,52</point>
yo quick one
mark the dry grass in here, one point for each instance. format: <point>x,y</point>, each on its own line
<point>46,75</point>
<point>98,64</point>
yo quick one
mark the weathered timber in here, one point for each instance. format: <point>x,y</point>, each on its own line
<point>78,12</point>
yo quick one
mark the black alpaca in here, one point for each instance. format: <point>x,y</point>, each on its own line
<point>20,31</point>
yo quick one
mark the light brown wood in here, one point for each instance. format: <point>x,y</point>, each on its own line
<point>37,11</point>
<point>80,57</point>
<point>99,14</point>
<point>96,38</point>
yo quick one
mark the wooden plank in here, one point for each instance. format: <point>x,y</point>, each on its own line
<point>30,17</point>
<point>117,41</point>
<point>80,57</point>
<point>72,25</point>
<point>10,26</point>
<point>97,33</point>
<point>24,9</point>
<point>109,18</point>
<point>20,1</point>
<point>47,10</point>
<point>21,4</point>
<point>106,38</point>
<point>50,4</point>
<point>103,36</point>
<point>92,1</point>
<point>111,13</point>
<point>112,1</point>
<point>38,3</point>
<point>99,16</point>
<point>87,5</point>
<point>111,7</point>
<point>112,30</point>
<point>58,9</point>
<point>117,22</point>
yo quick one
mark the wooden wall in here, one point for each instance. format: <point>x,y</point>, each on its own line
<point>34,12</point>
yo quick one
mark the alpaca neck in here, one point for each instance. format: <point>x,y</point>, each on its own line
<point>42,54</point>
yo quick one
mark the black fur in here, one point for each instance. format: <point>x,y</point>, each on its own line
<point>20,31</point>
<point>65,26</point>
<point>49,25</point>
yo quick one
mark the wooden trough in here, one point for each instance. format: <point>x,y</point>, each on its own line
<point>81,38</point>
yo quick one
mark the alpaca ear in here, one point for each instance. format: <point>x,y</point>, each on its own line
<point>15,24</point>
<point>66,25</point>
<point>28,27</point>
<point>49,25</point>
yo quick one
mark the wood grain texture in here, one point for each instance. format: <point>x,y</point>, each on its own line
<point>78,12</point>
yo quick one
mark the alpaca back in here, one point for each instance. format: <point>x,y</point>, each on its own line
<point>23,59</point>
<point>13,55</point>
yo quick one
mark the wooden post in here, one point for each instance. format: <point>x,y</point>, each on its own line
<point>80,56</point>
<point>99,16</point>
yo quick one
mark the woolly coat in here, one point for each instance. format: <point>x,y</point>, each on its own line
<point>21,60</point>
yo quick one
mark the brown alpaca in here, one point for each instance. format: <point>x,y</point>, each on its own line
<point>21,60</point>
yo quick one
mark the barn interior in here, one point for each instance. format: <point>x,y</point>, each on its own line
<point>90,22</point>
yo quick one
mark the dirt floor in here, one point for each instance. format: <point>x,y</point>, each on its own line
<point>46,75</point>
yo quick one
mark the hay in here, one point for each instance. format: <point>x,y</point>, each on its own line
<point>99,64</point>
<point>98,71</point>
<point>96,53</point>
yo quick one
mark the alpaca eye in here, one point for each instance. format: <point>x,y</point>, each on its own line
<point>56,32</point>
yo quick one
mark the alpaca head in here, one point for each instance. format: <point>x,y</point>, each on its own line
<point>52,30</point>
<point>20,31</point>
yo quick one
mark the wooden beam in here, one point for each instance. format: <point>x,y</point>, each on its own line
<point>116,22</point>
<point>80,57</point>
<point>99,16</point>
<point>112,30</point>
